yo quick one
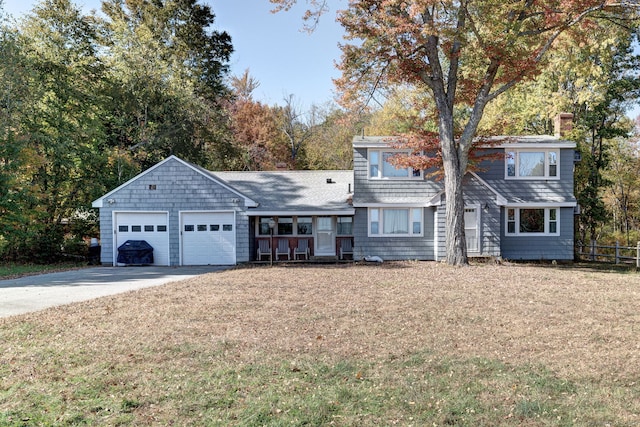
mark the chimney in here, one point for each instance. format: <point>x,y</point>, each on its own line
<point>562,124</point>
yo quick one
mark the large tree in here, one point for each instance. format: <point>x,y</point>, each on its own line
<point>167,66</point>
<point>465,53</point>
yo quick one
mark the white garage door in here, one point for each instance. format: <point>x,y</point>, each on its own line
<point>208,238</point>
<point>150,226</point>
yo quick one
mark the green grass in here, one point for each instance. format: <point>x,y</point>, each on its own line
<point>9,270</point>
<point>210,389</point>
<point>215,352</point>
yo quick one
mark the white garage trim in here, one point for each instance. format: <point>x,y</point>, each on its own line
<point>152,226</point>
<point>207,238</point>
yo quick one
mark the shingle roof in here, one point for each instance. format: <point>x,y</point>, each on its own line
<point>294,191</point>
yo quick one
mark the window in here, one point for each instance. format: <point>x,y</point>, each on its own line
<point>532,221</point>
<point>395,221</point>
<point>202,227</point>
<point>530,164</point>
<point>285,226</point>
<point>345,225</point>
<point>264,229</point>
<point>123,228</point>
<point>227,227</point>
<point>136,228</point>
<point>380,167</point>
<point>162,228</point>
<point>188,228</point>
<point>214,227</point>
<point>148,228</point>
<point>305,225</point>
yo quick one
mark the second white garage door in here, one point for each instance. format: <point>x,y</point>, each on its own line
<point>208,238</point>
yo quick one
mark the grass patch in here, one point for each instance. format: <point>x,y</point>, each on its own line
<point>10,271</point>
<point>344,345</point>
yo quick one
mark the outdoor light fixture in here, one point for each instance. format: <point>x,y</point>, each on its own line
<point>111,201</point>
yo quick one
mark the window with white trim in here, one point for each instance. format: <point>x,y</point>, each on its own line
<point>532,164</point>
<point>395,222</point>
<point>532,221</point>
<point>380,167</point>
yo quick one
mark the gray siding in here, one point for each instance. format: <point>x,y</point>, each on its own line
<point>178,188</point>
<point>382,190</point>
<point>392,248</point>
<point>534,190</point>
<point>541,247</point>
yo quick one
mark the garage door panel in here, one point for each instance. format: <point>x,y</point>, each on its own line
<point>149,226</point>
<point>208,238</point>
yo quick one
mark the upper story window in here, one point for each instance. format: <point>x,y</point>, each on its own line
<point>532,164</point>
<point>380,167</point>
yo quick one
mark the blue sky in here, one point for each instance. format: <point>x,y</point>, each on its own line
<point>284,59</point>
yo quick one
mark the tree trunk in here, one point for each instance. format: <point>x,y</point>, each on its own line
<point>455,165</point>
<point>454,219</point>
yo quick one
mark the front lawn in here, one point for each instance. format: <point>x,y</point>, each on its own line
<point>414,343</point>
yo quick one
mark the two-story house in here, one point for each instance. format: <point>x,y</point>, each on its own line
<point>520,208</point>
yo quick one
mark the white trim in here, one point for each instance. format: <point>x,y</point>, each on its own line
<point>435,235</point>
<point>381,222</point>
<point>181,214</point>
<point>517,232</point>
<point>477,208</point>
<point>530,145</point>
<point>381,162</point>
<point>344,212</point>
<point>516,164</point>
<point>98,203</point>
<point>393,205</point>
<point>114,232</point>
<point>540,204</point>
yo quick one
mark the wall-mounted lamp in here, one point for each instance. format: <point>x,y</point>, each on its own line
<point>235,200</point>
<point>111,201</point>
<point>485,207</point>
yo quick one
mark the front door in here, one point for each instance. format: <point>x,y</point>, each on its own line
<point>325,236</point>
<point>471,229</point>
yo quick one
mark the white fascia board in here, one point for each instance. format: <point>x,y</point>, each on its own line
<point>533,145</point>
<point>541,205</point>
<point>303,213</point>
<point>394,205</point>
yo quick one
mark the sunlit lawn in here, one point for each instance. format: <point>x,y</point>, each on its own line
<point>396,344</point>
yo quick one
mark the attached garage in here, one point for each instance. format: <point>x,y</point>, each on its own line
<point>149,226</point>
<point>208,238</point>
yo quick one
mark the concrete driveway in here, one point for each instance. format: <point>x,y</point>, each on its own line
<point>33,293</point>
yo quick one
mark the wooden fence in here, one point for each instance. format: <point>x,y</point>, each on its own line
<point>618,254</point>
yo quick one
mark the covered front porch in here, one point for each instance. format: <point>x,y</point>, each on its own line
<point>318,238</point>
